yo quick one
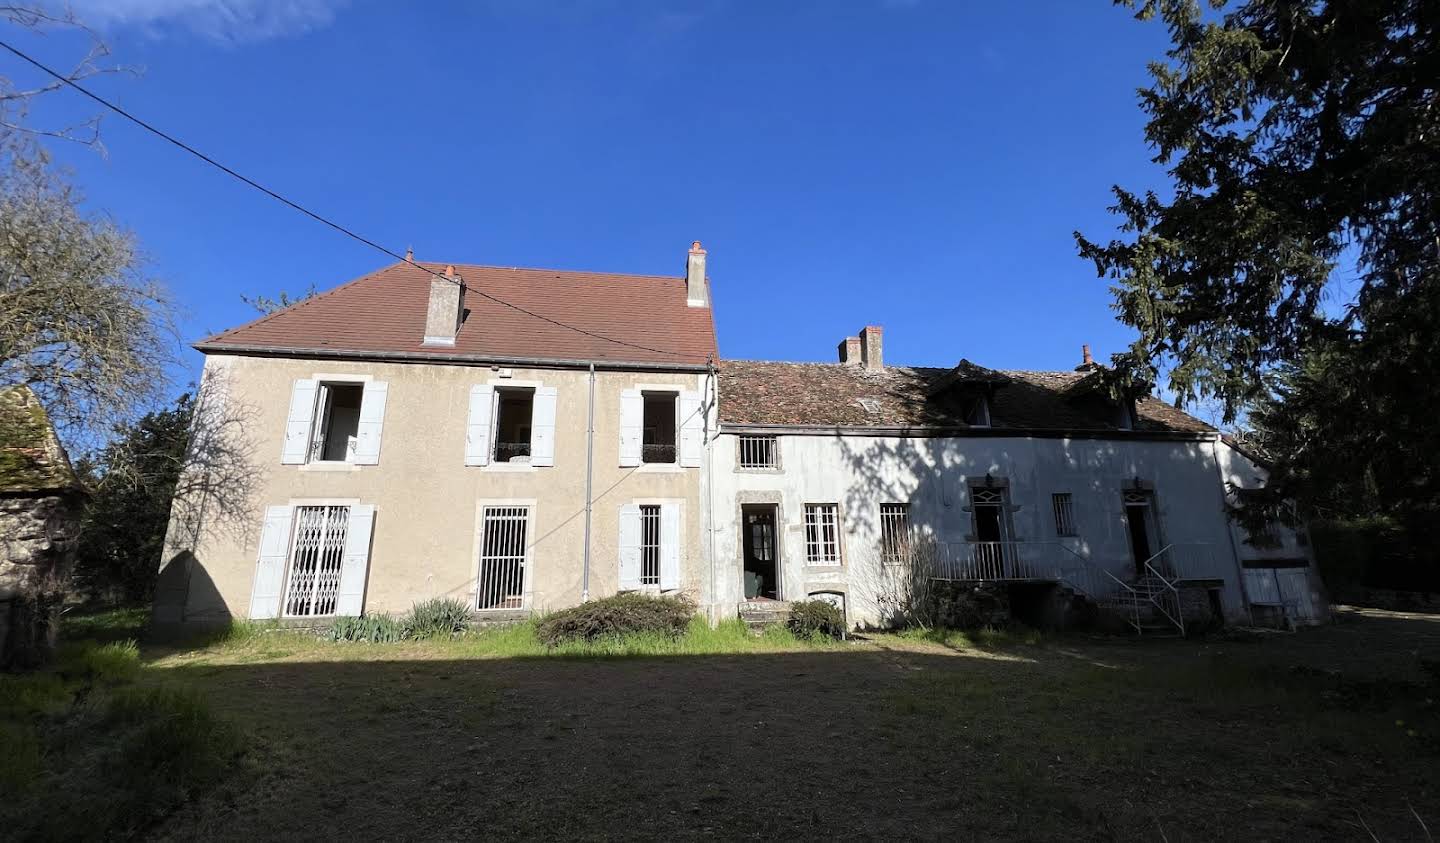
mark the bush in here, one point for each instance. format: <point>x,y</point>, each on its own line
<point>816,618</point>
<point>612,617</point>
<point>379,629</point>
<point>438,618</point>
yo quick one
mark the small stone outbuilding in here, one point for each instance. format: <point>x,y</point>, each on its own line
<point>41,503</point>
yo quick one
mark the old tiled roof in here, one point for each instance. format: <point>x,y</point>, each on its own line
<point>384,313</point>
<point>31,457</point>
<point>836,395</point>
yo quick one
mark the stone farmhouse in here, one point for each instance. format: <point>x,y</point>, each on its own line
<point>525,439</point>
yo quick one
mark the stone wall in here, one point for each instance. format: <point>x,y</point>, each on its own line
<point>37,553</point>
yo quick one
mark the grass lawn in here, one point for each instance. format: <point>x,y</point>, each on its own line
<point>1330,732</point>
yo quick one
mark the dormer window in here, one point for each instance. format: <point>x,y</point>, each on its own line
<point>1125,415</point>
<point>977,411</point>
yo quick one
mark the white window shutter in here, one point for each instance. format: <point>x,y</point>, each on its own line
<point>692,430</point>
<point>542,427</point>
<point>299,421</point>
<point>629,547</point>
<point>270,567</point>
<point>372,419</point>
<point>477,429</point>
<point>355,563</point>
<point>632,424</point>
<point>669,546</point>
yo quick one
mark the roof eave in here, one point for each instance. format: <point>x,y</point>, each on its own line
<point>450,358</point>
<point>922,431</point>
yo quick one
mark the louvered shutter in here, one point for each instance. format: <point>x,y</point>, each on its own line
<point>542,427</point>
<point>629,547</point>
<point>270,566</point>
<point>372,420</point>
<point>632,424</point>
<point>692,430</point>
<point>298,422</point>
<point>477,429</point>
<point>355,563</point>
<point>669,546</point>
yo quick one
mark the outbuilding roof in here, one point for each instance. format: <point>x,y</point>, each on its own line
<point>32,460</point>
<point>836,395</point>
<point>621,319</point>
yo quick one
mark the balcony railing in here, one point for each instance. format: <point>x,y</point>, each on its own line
<point>509,451</point>
<point>657,453</point>
<point>1002,560</point>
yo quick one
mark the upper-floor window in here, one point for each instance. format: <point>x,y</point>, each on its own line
<point>759,452</point>
<point>1062,504</point>
<point>334,421</point>
<point>822,534</point>
<point>514,410</point>
<point>894,533</point>
<point>660,429</point>
<point>511,424</point>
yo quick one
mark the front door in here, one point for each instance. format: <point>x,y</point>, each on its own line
<point>1140,520</point>
<point>987,507</point>
<point>761,571</point>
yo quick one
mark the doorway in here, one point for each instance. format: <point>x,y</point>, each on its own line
<point>991,550</point>
<point>761,569</point>
<point>1140,523</point>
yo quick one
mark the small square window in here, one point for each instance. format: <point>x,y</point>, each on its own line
<point>758,452</point>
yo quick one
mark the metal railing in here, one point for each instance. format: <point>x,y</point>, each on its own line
<point>657,453</point>
<point>1164,595</point>
<point>1186,561</point>
<point>508,451</point>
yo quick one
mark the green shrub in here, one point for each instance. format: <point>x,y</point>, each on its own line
<point>438,618</point>
<point>816,618</point>
<point>612,617</point>
<point>379,629</point>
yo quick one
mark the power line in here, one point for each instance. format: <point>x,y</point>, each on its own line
<point>311,214</point>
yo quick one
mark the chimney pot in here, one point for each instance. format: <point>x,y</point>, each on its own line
<point>445,310</point>
<point>409,253</point>
<point>871,348</point>
<point>850,351</point>
<point>697,292</point>
<point>1087,363</point>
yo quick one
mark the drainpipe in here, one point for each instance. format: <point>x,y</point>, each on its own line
<point>589,480</point>
<point>710,483</point>
<point>1230,529</point>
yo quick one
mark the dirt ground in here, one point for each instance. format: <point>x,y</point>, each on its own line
<point>1325,733</point>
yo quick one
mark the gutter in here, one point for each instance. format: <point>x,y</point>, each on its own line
<point>911,431</point>
<point>451,358</point>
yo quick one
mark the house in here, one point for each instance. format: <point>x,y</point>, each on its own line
<point>41,504</point>
<point>524,440</point>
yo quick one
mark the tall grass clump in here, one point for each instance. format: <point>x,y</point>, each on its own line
<point>441,617</point>
<point>615,617</point>
<point>379,629</point>
<point>118,661</point>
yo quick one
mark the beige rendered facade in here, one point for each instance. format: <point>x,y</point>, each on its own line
<point>427,535</point>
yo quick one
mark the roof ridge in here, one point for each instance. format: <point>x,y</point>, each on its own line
<point>295,305</point>
<point>422,265</point>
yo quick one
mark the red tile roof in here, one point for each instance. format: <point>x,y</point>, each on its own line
<point>634,319</point>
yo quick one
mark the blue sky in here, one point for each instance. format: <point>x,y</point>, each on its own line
<point>916,164</point>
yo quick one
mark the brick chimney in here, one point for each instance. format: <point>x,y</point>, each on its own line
<point>871,348</point>
<point>697,294</point>
<point>1087,363</point>
<point>446,308</point>
<point>850,351</point>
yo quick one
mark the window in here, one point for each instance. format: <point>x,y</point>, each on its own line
<point>502,557</point>
<point>514,410</point>
<point>337,416</point>
<point>894,533</point>
<point>758,452</point>
<point>977,411</point>
<point>658,442</point>
<point>650,544</point>
<point>1063,506</point>
<point>312,588</point>
<point>822,534</point>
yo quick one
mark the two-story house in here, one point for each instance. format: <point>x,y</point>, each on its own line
<point>518,439</point>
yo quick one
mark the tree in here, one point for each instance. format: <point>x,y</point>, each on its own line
<point>1302,141</point>
<point>15,98</point>
<point>132,481</point>
<point>267,305</point>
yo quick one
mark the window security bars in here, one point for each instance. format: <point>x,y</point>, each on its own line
<point>502,558</point>
<point>1064,507</point>
<point>894,533</point>
<point>315,561</point>
<point>758,452</point>
<point>649,544</point>
<point>822,534</point>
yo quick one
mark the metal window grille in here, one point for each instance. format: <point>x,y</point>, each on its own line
<point>649,544</point>
<point>981,496</point>
<point>315,560</point>
<point>758,452</point>
<point>502,558</point>
<point>822,534</point>
<point>1064,506</point>
<point>894,532</point>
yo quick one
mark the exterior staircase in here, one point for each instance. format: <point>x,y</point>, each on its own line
<point>758,614</point>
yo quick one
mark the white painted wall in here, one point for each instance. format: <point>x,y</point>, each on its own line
<point>933,475</point>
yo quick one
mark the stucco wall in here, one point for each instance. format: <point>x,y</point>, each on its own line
<point>425,496</point>
<point>933,475</point>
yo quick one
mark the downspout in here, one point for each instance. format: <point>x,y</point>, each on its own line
<point>1230,529</point>
<point>710,484</point>
<point>589,481</point>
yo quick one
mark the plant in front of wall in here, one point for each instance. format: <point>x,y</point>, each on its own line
<point>816,619</point>
<point>441,617</point>
<point>378,629</point>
